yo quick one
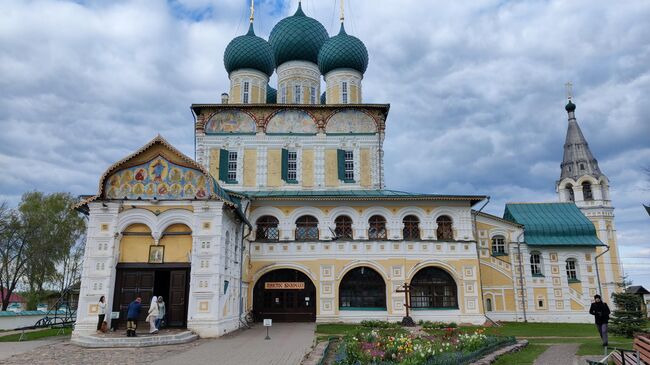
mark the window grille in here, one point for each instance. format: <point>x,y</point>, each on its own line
<point>498,245</point>
<point>432,287</point>
<point>232,165</point>
<point>571,271</point>
<point>267,228</point>
<point>349,165</point>
<point>292,165</point>
<point>343,227</point>
<point>245,92</point>
<point>362,287</point>
<point>377,228</point>
<point>312,95</point>
<point>445,228</point>
<point>344,92</point>
<point>411,227</point>
<point>283,94</point>
<point>306,228</point>
<point>535,264</point>
<point>586,191</point>
<point>297,95</point>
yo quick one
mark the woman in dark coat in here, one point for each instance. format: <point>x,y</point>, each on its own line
<point>600,311</point>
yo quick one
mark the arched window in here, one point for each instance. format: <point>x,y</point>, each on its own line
<point>445,231</point>
<point>586,191</point>
<point>569,189</point>
<point>306,228</point>
<point>267,228</point>
<point>499,245</point>
<point>343,227</point>
<point>488,304</point>
<point>433,288</point>
<point>536,264</point>
<point>377,228</point>
<point>362,287</point>
<point>571,270</point>
<point>411,227</point>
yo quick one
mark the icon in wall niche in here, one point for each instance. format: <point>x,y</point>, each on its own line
<point>156,254</point>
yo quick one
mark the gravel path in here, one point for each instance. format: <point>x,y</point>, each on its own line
<point>564,354</point>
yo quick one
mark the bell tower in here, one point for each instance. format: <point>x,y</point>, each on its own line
<point>582,182</point>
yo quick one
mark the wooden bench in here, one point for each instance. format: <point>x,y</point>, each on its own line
<point>642,344</point>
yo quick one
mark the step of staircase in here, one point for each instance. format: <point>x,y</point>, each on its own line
<point>143,340</point>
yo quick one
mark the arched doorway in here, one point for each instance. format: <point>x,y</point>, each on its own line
<point>284,295</point>
<point>433,288</point>
<point>362,288</point>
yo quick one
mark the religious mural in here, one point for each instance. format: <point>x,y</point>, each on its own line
<point>230,121</point>
<point>351,121</point>
<point>157,178</point>
<point>291,121</point>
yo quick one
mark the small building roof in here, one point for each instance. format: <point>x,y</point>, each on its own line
<point>14,298</point>
<point>553,224</point>
<point>637,289</point>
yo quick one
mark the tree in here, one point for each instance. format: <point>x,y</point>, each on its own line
<point>39,238</point>
<point>628,317</point>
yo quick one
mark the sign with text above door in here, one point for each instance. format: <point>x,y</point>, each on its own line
<point>299,285</point>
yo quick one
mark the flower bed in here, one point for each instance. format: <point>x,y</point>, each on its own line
<point>448,346</point>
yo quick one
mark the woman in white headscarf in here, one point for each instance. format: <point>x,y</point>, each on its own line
<point>153,315</point>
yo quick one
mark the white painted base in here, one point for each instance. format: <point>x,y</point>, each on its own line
<point>206,328</point>
<point>551,317</point>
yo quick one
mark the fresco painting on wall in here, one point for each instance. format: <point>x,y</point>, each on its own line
<point>230,121</point>
<point>351,121</point>
<point>291,121</point>
<point>157,178</point>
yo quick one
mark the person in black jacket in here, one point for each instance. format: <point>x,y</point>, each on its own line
<point>133,313</point>
<point>600,311</point>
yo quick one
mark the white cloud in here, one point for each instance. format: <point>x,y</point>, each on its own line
<point>476,89</point>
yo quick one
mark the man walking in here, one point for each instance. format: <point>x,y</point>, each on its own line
<point>600,311</point>
<point>132,315</point>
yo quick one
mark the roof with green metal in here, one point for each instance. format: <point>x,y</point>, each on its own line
<point>249,51</point>
<point>553,224</point>
<point>343,51</point>
<point>297,37</point>
<point>354,195</point>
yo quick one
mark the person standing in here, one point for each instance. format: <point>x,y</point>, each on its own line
<point>161,312</point>
<point>152,317</point>
<point>102,312</point>
<point>600,311</point>
<point>132,315</point>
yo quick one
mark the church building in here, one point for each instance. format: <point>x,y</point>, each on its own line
<point>284,213</point>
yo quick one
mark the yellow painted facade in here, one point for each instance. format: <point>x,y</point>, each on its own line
<point>308,168</point>
<point>364,158</point>
<point>274,168</point>
<point>250,172</point>
<point>214,162</point>
<point>331,169</point>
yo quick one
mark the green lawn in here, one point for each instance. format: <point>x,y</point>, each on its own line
<point>519,329</point>
<point>524,357</point>
<point>336,328</point>
<point>35,335</point>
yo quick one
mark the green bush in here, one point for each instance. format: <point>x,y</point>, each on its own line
<point>380,324</point>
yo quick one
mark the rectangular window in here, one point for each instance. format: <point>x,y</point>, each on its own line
<point>297,94</point>
<point>245,91</point>
<point>283,94</point>
<point>349,166</point>
<point>292,165</point>
<point>344,92</point>
<point>232,166</point>
<point>571,272</point>
<point>312,95</point>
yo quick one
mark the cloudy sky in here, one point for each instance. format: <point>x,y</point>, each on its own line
<point>476,90</point>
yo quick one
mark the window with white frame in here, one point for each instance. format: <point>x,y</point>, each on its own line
<point>232,165</point>
<point>297,94</point>
<point>283,94</point>
<point>536,264</point>
<point>499,245</point>
<point>292,165</point>
<point>344,92</point>
<point>571,270</point>
<point>245,92</point>
<point>349,165</point>
<point>312,95</point>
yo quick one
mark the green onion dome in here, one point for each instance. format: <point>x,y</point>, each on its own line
<point>343,51</point>
<point>249,51</point>
<point>570,107</point>
<point>271,95</point>
<point>297,37</point>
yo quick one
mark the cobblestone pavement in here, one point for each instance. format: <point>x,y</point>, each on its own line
<point>563,354</point>
<point>8,349</point>
<point>289,343</point>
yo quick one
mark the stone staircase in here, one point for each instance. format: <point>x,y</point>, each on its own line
<point>143,340</point>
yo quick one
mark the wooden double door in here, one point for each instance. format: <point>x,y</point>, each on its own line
<point>284,295</point>
<point>144,281</point>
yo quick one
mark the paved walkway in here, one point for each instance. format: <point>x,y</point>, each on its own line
<point>564,354</point>
<point>9,349</point>
<point>288,345</point>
